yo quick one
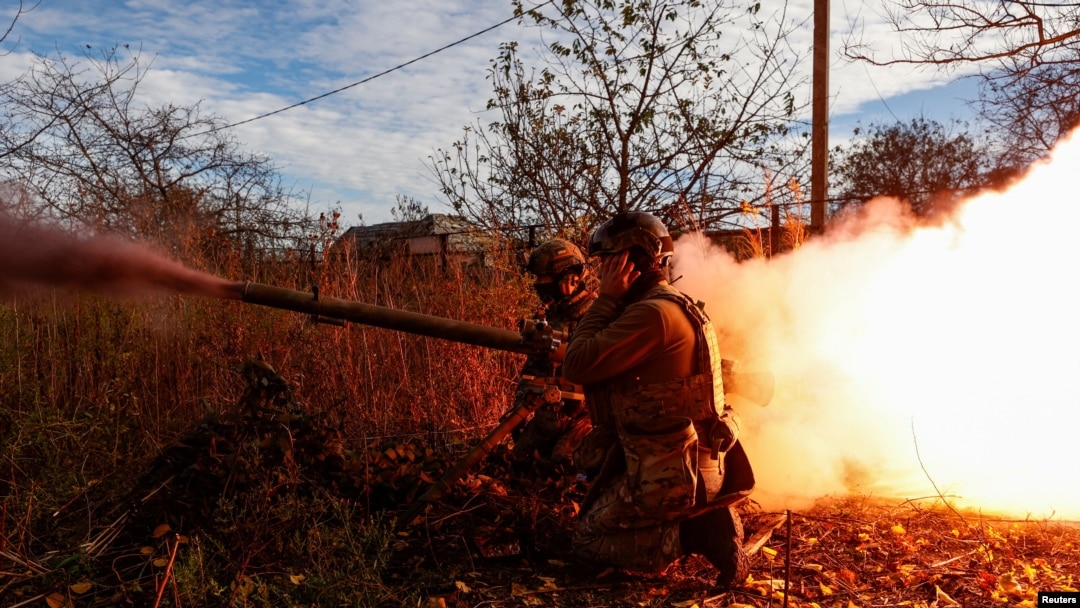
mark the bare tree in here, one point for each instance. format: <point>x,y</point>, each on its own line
<point>77,137</point>
<point>1029,108</point>
<point>955,32</point>
<point>675,106</point>
<point>1027,54</point>
<point>20,10</point>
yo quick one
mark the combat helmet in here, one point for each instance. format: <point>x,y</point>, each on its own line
<point>629,229</point>
<point>555,257</point>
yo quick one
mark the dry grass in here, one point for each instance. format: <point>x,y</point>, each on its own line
<point>95,389</point>
<point>148,458</point>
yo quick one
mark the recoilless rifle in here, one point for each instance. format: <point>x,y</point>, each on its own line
<point>534,337</point>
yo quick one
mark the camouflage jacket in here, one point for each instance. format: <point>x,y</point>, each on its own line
<point>653,383</point>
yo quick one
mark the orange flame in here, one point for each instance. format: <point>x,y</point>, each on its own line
<point>916,361</point>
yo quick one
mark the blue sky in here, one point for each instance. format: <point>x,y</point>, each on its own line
<point>365,145</point>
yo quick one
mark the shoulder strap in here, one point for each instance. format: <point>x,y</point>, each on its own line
<point>708,348</point>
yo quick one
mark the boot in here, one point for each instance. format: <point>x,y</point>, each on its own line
<point>718,535</point>
<point>729,558</point>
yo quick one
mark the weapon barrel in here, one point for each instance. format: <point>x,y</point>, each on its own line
<point>387,318</point>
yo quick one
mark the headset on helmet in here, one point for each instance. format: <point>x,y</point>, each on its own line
<point>555,257</point>
<point>629,229</point>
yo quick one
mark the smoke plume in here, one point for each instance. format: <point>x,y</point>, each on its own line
<point>33,253</point>
<point>915,361</point>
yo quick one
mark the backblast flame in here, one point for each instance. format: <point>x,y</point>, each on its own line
<point>917,361</point>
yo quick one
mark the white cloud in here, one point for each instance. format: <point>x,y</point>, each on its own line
<point>369,143</point>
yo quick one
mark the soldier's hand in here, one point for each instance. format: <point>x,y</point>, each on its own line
<point>617,273</point>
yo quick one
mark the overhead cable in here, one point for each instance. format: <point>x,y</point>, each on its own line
<point>360,82</point>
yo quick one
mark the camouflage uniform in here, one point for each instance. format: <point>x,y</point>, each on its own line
<point>555,430</point>
<point>671,458</point>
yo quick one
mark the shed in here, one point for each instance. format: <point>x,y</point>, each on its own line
<point>449,237</point>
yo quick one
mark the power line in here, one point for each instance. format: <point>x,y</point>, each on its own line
<point>360,82</point>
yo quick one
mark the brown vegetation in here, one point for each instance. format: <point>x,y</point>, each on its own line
<point>182,451</point>
<point>95,389</point>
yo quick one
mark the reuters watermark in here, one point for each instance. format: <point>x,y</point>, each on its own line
<point>1059,598</point>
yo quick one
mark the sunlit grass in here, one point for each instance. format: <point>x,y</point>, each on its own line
<point>93,389</point>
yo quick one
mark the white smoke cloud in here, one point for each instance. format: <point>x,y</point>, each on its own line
<point>912,360</point>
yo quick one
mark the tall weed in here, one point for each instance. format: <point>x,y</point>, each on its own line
<point>94,388</point>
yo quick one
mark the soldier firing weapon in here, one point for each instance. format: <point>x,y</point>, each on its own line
<point>534,337</point>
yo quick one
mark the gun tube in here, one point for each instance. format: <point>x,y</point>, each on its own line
<point>756,387</point>
<point>387,318</point>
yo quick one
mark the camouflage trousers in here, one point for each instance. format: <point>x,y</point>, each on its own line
<point>614,532</point>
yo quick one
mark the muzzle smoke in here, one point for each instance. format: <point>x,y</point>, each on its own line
<point>915,361</point>
<point>42,254</point>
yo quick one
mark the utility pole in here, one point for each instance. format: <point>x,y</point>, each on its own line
<point>819,144</point>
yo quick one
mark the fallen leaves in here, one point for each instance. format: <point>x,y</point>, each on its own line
<point>501,537</point>
<point>860,553</point>
<point>942,599</point>
<point>81,587</point>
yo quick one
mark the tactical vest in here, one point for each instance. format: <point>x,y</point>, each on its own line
<point>666,430</point>
<point>699,397</point>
